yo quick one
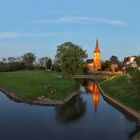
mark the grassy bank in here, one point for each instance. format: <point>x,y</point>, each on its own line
<point>122,89</point>
<point>31,84</point>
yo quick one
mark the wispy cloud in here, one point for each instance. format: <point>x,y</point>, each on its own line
<point>65,19</point>
<point>110,21</point>
<point>81,20</point>
<point>10,35</point>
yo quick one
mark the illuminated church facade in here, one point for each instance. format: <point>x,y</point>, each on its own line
<point>95,63</point>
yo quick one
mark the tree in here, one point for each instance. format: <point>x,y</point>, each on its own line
<point>28,60</point>
<point>70,58</point>
<point>43,62</point>
<point>4,60</point>
<point>11,59</point>
<point>49,64</point>
<point>114,59</point>
<point>11,64</point>
<point>105,65</point>
<point>138,60</point>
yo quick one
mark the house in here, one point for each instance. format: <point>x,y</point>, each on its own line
<point>130,62</point>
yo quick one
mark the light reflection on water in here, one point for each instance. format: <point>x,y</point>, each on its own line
<point>93,89</point>
<point>86,117</point>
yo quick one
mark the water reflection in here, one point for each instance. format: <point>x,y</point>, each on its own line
<point>72,110</point>
<point>94,90</point>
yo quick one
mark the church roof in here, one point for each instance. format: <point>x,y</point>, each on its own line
<point>97,47</point>
<point>89,61</point>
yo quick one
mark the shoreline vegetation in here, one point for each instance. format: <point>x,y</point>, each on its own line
<point>38,87</point>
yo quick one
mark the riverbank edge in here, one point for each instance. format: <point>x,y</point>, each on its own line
<point>120,105</point>
<point>39,100</point>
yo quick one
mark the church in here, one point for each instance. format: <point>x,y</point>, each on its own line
<point>95,63</point>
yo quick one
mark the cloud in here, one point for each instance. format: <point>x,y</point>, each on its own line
<point>65,19</point>
<point>81,20</point>
<point>110,21</point>
<point>10,35</point>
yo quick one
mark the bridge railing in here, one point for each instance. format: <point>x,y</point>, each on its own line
<point>89,77</point>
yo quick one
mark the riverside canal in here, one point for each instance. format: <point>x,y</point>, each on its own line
<point>86,116</point>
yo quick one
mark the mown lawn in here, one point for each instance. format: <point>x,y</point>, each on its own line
<point>31,84</point>
<point>122,89</point>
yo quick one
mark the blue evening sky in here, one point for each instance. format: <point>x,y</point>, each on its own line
<point>39,26</point>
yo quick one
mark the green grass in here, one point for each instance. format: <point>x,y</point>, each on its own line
<point>100,80</point>
<point>121,88</point>
<point>31,84</point>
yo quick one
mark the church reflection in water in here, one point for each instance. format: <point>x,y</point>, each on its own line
<point>94,90</point>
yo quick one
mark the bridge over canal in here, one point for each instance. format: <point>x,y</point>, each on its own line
<point>92,77</point>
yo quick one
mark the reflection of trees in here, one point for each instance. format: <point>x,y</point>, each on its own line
<point>82,82</point>
<point>72,110</point>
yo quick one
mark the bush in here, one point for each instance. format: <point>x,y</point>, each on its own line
<point>85,70</point>
<point>116,69</point>
<point>130,70</point>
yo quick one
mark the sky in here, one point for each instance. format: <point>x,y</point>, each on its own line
<point>39,26</point>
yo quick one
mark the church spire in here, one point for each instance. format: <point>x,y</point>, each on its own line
<point>97,47</point>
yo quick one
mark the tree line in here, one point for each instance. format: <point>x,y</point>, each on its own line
<point>26,62</point>
<point>70,58</point>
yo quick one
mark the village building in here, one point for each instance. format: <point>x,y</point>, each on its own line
<point>130,62</point>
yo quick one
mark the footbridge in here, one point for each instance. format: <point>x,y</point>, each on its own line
<point>92,77</point>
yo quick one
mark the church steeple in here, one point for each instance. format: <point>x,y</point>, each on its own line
<point>97,50</point>
<point>97,61</point>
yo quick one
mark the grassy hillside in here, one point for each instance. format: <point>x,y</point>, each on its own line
<point>31,84</point>
<point>124,89</point>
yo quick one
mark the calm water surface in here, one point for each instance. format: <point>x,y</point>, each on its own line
<point>85,117</point>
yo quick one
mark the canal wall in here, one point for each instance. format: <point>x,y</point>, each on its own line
<point>121,106</point>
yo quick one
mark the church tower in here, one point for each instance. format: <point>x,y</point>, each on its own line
<point>97,61</point>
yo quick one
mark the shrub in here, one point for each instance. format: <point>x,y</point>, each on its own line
<point>130,70</point>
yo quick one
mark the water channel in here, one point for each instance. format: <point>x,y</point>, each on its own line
<point>86,116</point>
